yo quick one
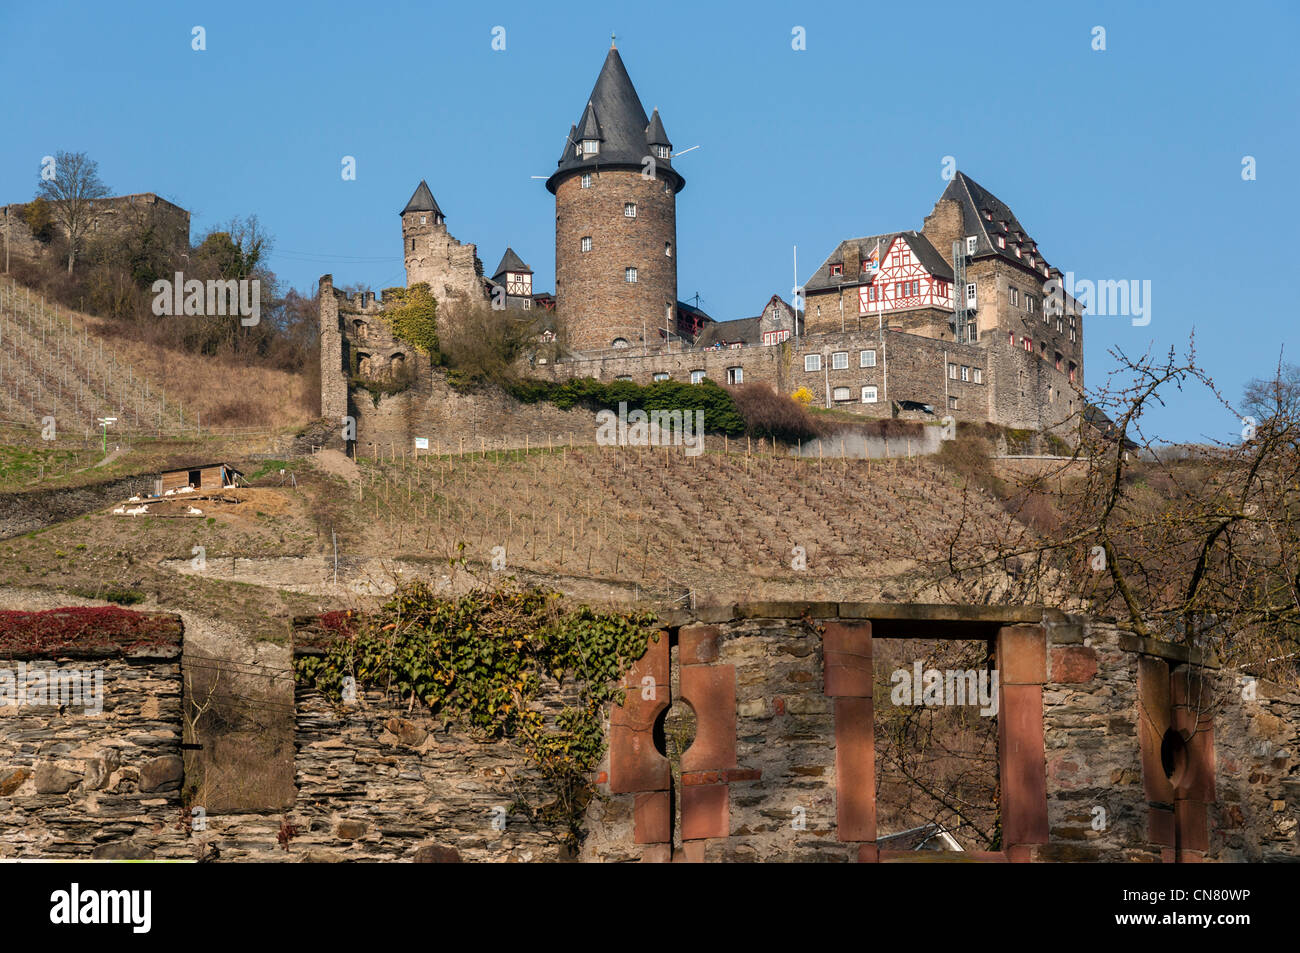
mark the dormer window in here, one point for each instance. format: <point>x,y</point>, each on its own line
<point>590,147</point>
<point>837,270</point>
<point>661,152</point>
<point>970,244</point>
<point>1002,242</point>
<point>988,216</point>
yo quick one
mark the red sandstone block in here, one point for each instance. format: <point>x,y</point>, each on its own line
<point>635,764</point>
<point>645,700</point>
<point>711,691</point>
<point>1191,857</point>
<point>698,644</point>
<point>703,777</point>
<point>1153,711</point>
<point>1073,664</point>
<point>1022,655</point>
<point>657,854</point>
<point>692,852</point>
<point>1023,766</point>
<point>847,659</point>
<point>602,778</point>
<point>1018,855</point>
<point>868,854</point>
<point>1198,781</point>
<point>855,770</point>
<point>747,774</point>
<point>1168,855</point>
<point>706,811</point>
<point>652,818</point>
<point>1193,820</point>
<point>1160,826</point>
<point>992,856</point>
<point>778,706</point>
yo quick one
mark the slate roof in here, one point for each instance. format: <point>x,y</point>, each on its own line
<point>422,201</point>
<point>614,115</point>
<point>742,330</point>
<point>511,262</point>
<point>974,201</point>
<point>924,251</point>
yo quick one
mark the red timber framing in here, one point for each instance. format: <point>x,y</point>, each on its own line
<point>903,282</point>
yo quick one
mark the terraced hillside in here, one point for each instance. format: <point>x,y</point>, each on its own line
<point>602,523</point>
<point>72,367</point>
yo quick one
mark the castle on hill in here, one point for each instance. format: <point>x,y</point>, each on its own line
<point>954,319</point>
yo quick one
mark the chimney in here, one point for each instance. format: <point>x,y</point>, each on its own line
<point>852,262</point>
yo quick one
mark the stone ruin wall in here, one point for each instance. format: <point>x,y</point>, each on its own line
<point>782,696</point>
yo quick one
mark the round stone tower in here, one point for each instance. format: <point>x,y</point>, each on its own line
<point>616,221</point>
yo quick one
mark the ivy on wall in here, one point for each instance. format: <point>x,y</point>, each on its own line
<point>413,315</point>
<point>482,659</point>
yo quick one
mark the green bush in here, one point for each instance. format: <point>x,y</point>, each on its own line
<point>720,412</point>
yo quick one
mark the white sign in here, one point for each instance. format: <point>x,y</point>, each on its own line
<point>421,443</point>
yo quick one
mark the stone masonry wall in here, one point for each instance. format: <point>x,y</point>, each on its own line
<point>780,767</point>
<point>93,784</point>
<point>593,297</point>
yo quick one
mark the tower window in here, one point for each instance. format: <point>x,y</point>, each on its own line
<point>586,243</point>
<point>412,244</point>
<point>619,342</point>
<point>629,210</point>
<point>590,146</point>
<point>424,219</point>
<point>837,270</point>
<point>661,152</point>
<point>586,180</point>
<point>668,249</point>
<point>629,275</point>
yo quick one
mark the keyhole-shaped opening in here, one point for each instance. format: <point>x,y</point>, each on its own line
<point>1173,756</point>
<point>674,733</point>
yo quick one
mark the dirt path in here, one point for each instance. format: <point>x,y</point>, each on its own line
<point>337,463</point>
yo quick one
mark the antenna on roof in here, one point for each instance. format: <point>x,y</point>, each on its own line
<point>611,42</point>
<point>684,151</point>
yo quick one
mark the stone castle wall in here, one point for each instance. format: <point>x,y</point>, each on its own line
<point>116,216</point>
<point>451,268</point>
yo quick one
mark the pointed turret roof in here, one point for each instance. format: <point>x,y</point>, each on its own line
<point>422,201</point>
<point>589,124</point>
<point>511,262</point>
<point>614,110</point>
<point>654,133</point>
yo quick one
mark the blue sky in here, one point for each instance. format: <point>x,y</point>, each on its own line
<point>1123,164</point>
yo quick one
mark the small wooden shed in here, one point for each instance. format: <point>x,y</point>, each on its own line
<point>202,477</point>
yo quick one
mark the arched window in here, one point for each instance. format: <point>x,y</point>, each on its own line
<point>619,342</point>
<point>359,329</point>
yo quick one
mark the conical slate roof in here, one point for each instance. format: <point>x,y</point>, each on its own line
<point>511,262</point>
<point>615,112</point>
<point>422,201</point>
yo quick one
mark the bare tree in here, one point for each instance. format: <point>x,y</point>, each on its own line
<point>1198,546</point>
<point>72,192</point>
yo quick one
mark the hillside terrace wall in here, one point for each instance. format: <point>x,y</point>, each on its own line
<point>783,698</point>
